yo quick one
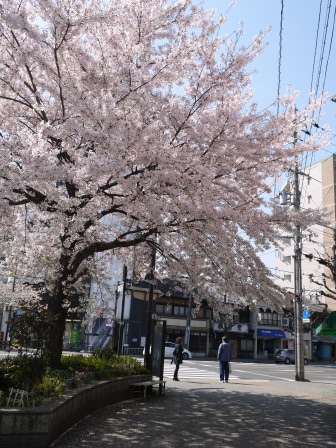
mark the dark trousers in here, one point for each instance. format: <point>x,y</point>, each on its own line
<point>224,370</point>
<point>177,366</point>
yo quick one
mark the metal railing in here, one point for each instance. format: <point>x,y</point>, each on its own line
<point>133,351</point>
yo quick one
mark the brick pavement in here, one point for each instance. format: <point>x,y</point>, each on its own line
<point>208,414</point>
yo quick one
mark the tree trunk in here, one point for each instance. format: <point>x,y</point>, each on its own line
<point>54,344</point>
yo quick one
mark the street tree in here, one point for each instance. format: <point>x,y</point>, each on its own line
<point>327,280</point>
<point>130,125</point>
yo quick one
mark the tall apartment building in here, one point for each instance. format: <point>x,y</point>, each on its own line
<point>318,190</point>
<point>317,185</point>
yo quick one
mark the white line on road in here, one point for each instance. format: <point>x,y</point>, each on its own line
<point>260,374</point>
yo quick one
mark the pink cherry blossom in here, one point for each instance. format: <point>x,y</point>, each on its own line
<point>127,125</point>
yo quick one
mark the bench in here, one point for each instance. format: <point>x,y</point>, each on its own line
<point>136,387</point>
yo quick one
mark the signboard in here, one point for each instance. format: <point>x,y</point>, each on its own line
<point>109,321</point>
<point>239,328</point>
<point>305,314</point>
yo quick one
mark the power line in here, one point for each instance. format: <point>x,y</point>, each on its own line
<point>316,41</point>
<point>279,73</point>
<point>280,53</point>
<point>330,45</point>
<point>326,23</point>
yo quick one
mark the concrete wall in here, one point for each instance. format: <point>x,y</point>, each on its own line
<point>39,427</point>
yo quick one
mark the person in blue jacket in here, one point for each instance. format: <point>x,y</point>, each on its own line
<point>224,356</point>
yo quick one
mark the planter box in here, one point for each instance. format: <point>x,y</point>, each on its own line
<point>39,427</point>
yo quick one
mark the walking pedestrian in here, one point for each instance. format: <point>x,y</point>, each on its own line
<point>178,357</point>
<point>224,356</point>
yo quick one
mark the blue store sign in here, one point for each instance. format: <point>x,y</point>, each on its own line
<point>270,333</point>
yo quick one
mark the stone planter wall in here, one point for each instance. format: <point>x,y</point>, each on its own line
<point>39,427</point>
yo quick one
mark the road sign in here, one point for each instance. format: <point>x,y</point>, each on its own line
<point>305,314</point>
<point>306,321</point>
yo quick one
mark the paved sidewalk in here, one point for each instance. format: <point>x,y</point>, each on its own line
<point>209,414</point>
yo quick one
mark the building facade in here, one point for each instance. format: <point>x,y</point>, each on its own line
<point>318,243</point>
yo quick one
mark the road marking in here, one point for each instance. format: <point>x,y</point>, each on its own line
<point>185,372</point>
<point>260,374</point>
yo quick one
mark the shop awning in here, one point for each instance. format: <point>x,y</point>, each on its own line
<point>270,333</point>
<point>324,330</point>
<point>329,327</point>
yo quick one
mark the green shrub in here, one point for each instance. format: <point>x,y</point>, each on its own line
<point>106,353</point>
<point>31,373</point>
<point>21,372</point>
<point>50,386</point>
<point>104,368</point>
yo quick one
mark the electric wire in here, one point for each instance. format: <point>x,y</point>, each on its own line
<point>323,46</point>
<point>280,53</point>
<point>279,73</point>
<point>326,23</point>
<point>305,156</point>
<point>328,57</point>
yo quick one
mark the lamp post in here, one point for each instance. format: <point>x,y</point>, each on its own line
<point>255,348</point>
<point>147,359</point>
<point>122,323</point>
<point>188,323</point>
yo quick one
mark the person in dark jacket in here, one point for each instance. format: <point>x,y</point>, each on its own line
<point>224,356</point>
<point>178,357</point>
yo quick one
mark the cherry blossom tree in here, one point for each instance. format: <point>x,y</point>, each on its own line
<point>129,125</point>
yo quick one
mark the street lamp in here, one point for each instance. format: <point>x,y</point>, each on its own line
<point>188,323</point>
<point>148,358</point>
<point>255,348</point>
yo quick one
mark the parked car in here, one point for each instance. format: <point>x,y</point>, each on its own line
<point>287,356</point>
<point>169,348</point>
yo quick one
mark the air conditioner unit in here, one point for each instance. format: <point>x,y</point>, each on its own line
<point>285,321</point>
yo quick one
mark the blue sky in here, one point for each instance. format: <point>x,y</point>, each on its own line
<point>299,36</point>
<point>300,22</point>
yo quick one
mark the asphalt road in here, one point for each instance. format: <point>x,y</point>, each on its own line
<point>208,369</point>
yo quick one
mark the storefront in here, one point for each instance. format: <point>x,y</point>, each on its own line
<point>324,339</point>
<point>240,337</point>
<point>324,348</point>
<point>269,340</point>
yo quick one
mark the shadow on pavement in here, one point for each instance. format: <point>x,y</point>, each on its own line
<point>209,417</point>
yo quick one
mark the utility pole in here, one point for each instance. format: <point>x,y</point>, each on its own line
<point>334,259</point>
<point>149,313</point>
<point>299,348</point>
<point>188,323</point>
<point>122,323</point>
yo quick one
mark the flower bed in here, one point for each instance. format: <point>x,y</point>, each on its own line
<point>37,427</point>
<point>29,377</point>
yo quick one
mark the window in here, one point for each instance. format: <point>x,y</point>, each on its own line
<point>246,345</point>
<point>310,199</point>
<point>180,311</point>
<point>287,259</point>
<point>287,278</point>
<point>276,319</point>
<point>197,341</point>
<point>163,310</point>
<point>268,317</point>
